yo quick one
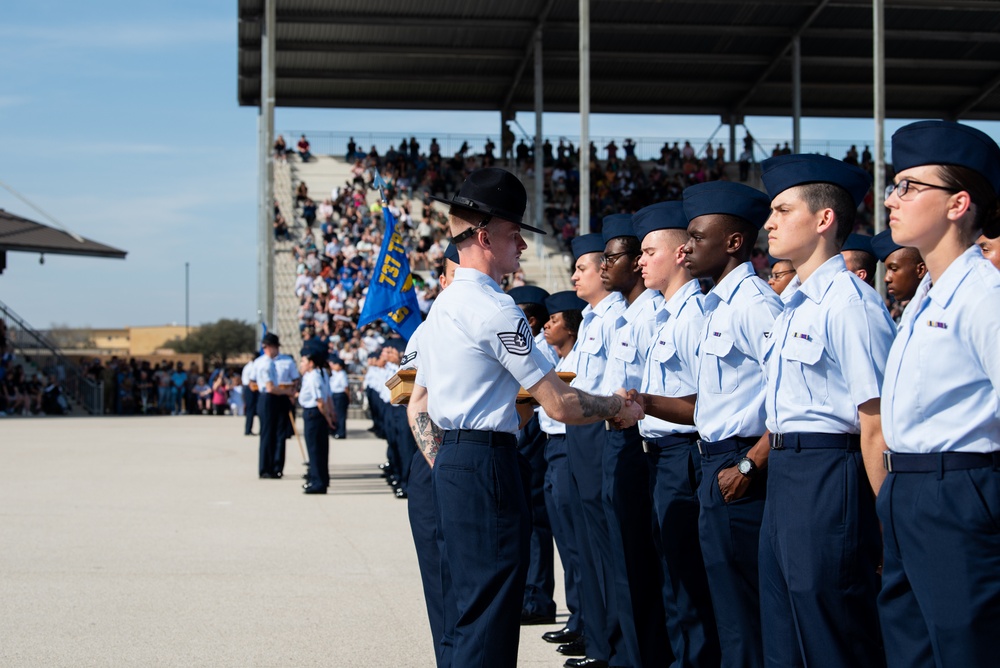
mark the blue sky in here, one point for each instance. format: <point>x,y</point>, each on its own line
<point>119,118</point>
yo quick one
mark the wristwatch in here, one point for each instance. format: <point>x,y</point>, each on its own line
<point>746,466</point>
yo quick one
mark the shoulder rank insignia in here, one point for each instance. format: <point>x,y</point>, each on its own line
<point>519,342</point>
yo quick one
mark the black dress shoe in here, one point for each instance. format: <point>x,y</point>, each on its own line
<point>575,648</point>
<point>268,476</point>
<point>533,618</point>
<point>314,490</point>
<point>585,663</point>
<point>563,635</point>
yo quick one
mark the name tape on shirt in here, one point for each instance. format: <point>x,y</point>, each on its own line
<point>519,342</point>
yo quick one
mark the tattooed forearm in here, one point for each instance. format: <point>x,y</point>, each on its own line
<point>428,436</point>
<point>604,407</point>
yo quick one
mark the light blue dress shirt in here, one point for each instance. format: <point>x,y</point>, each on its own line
<point>741,311</point>
<point>672,365</point>
<point>590,352</point>
<point>942,377</point>
<point>632,342</point>
<point>547,424</point>
<point>828,352</point>
<point>338,381</point>
<point>265,371</point>
<point>314,389</point>
<point>476,351</point>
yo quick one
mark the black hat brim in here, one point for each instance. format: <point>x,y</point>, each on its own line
<point>487,211</point>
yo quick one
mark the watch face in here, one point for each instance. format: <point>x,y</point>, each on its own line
<point>744,466</point>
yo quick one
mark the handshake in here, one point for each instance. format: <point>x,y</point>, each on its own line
<point>632,410</point>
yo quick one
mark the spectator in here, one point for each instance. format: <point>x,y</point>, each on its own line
<point>303,147</point>
<point>280,148</point>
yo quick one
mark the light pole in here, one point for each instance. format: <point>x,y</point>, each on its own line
<point>187,300</point>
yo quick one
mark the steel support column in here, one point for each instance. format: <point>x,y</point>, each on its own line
<point>878,86</point>
<point>584,117</point>
<point>796,94</point>
<point>265,169</point>
<point>539,162</point>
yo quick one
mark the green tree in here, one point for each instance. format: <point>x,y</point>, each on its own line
<point>218,341</point>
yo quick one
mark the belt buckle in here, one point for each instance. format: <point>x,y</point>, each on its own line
<point>887,460</point>
<point>777,441</point>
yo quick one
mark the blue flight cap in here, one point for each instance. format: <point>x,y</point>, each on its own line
<point>858,242</point>
<point>528,294</point>
<point>315,349</point>
<point>771,260</point>
<point>398,344</point>
<point>451,253</point>
<point>883,246</point>
<point>564,301</point>
<point>787,171</point>
<point>728,198</point>
<point>617,225</point>
<point>659,216</point>
<point>588,243</point>
<point>946,143</point>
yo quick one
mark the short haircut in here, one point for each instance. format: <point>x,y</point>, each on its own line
<point>982,193</point>
<point>630,245</point>
<point>536,311</point>
<point>829,196</point>
<point>734,224</point>
<point>855,259</point>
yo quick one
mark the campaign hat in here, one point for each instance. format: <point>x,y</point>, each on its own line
<point>494,193</point>
<point>787,171</point>
<point>270,339</point>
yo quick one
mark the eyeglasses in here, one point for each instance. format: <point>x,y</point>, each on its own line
<point>608,260</point>
<point>776,276</point>
<point>903,187</point>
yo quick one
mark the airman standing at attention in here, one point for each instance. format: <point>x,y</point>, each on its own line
<point>672,449</point>
<point>820,546</point>
<point>904,268</point>
<point>940,501</point>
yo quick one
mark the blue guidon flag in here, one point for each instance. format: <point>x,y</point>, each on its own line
<point>391,296</point>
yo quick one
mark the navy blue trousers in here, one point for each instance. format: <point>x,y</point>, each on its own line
<point>317,437</point>
<point>729,534</point>
<point>285,413</point>
<point>541,576</point>
<point>340,403</point>
<point>559,500</point>
<point>637,570</point>
<point>268,406</point>
<point>819,554</point>
<point>250,402</point>
<point>406,445</point>
<point>940,599</point>
<point>675,467</point>
<point>485,526</point>
<point>375,407</point>
<point>602,631</point>
<point>423,526</point>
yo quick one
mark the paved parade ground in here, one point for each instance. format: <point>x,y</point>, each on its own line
<point>150,541</point>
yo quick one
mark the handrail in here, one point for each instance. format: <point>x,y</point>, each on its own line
<point>25,338</point>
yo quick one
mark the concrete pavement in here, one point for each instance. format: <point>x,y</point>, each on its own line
<point>150,541</point>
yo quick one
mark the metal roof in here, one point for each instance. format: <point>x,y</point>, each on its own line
<point>27,236</point>
<point>725,57</point>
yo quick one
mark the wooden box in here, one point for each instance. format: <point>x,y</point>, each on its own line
<point>401,386</point>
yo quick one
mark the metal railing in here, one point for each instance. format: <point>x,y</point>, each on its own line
<point>31,343</point>
<point>646,148</point>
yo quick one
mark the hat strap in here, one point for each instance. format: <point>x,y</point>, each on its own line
<point>462,236</point>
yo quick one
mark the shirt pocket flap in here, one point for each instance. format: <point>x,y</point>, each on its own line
<point>804,351</point>
<point>719,346</point>
<point>593,342</point>
<point>624,351</point>
<point>663,350</point>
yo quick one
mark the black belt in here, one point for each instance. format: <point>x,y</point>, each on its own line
<point>490,438</point>
<point>895,462</point>
<point>306,409</point>
<point>555,437</point>
<point>733,444</point>
<point>670,441</point>
<point>815,441</point>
